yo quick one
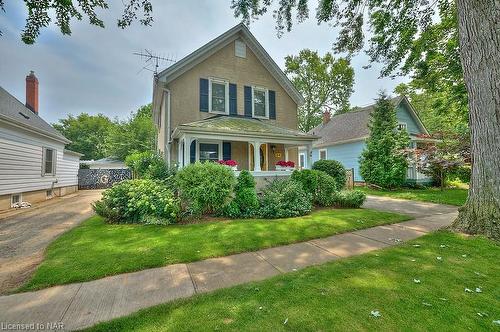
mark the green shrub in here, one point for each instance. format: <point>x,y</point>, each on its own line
<point>138,201</point>
<point>205,187</point>
<point>333,168</point>
<point>245,203</point>
<point>149,165</point>
<point>462,173</point>
<point>284,198</point>
<point>318,184</point>
<point>349,198</point>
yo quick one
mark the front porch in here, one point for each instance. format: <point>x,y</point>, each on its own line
<point>255,145</point>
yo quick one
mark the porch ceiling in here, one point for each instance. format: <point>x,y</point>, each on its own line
<point>239,127</point>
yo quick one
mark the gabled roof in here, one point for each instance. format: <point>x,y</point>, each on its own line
<point>240,125</point>
<point>239,31</point>
<point>353,126</point>
<point>16,113</point>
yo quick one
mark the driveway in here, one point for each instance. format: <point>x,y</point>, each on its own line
<point>25,235</point>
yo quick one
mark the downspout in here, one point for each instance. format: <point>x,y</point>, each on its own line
<point>168,127</point>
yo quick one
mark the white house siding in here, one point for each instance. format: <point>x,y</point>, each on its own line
<point>21,162</point>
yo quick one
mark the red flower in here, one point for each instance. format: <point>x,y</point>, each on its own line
<point>290,163</point>
<point>231,163</point>
<point>281,163</point>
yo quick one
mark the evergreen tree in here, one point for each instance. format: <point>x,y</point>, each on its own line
<point>383,161</point>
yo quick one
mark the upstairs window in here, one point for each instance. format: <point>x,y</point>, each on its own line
<point>219,96</point>
<point>260,107</point>
<point>402,126</point>
<point>49,161</point>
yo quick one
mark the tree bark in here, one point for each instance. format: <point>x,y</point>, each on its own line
<point>479,36</point>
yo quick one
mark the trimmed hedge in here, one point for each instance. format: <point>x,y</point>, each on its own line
<point>318,184</point>
<point>333,168</point>
<point>349,198</point>
<point>245,203</point>
<point>284,198</point>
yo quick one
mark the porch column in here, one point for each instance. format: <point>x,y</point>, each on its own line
<point>309,156</point>
<point>187,149</point>
<point>286,154</point>
<point>256,156</point>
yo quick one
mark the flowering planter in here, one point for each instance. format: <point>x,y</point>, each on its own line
<point>285,165</point>
<point>229,163</point>
<point>283,168</point>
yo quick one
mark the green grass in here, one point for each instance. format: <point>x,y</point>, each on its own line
<point>96,249</point>
<point>340,295</point>
<point>451,196</point>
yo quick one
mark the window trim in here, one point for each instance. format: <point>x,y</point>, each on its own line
<point>12,196</point>
<point>44,159</point>
<point>266,91</point>
<point>218,142</point>
<point>404,124</point>
<point>303,154</point>
<point>226,97</point>
<point>326,154</point>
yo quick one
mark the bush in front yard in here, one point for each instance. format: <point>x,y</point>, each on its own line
<point>138,201</point>
<point>320,185</point>
<point>284,198</point>
<point>245,203</point>
<point>149,165</point>
<point>205,188</point>
<point>349,198</point>
<point>333,168</point>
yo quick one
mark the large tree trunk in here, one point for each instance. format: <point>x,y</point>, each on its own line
<point>479,34</point>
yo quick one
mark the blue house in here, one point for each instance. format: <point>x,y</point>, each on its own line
<point>343,136</point>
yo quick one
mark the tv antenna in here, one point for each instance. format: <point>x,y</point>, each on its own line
<point>152,61</point>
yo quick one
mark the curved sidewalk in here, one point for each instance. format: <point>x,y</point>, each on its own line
<point>85,304</point>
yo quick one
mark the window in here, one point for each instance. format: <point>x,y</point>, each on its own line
<point>240,49</point>
<point>49,161</point>
<point>302,160</point>
<point>209,152</point>
<point>322,154</point>
<point>14,199</point>
<point>402,126</point>
<point>219,96</point>
<point>260,105</point>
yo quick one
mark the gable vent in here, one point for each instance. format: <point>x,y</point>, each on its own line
<point>240,49</point>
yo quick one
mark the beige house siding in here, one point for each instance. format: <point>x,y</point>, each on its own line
<point>185,90</point>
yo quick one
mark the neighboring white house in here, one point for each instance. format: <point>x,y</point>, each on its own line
<point>34,165</point>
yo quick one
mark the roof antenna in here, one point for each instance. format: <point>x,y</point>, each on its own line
<point>152,61</point>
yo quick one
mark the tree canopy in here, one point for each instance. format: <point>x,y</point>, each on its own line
<point>325,82</point>
<point>39,14</point>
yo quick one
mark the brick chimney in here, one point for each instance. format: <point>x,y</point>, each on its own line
<point>326,117</point>
<point>32,92</point>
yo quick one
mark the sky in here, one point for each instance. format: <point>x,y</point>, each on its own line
<point>95,71</point>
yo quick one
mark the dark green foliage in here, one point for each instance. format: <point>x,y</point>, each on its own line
<point>87,133</point>
<point>149,165</point>
<point>245,203</point>
<point>205,188</point>
<point>349,198</point>
<point>318,184</point>
<point>138,201</point>
<point>284,198</point>
<point>383,161</point>
<point>325,82</point>
<point>333,168</point>
<point>462,173</point>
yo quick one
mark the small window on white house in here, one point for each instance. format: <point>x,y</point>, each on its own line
<point>260,106</point>
<point>323,154</point>
<point>14,199</point>
<point>402,126</point>
<point>49,162</point>
<point>240,49</point>
<point>302,160</point>
<point>219,96</point>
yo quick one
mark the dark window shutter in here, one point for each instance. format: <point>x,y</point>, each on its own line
<point>226,150</point>
<point>248,101</point>
<point>232,99</point>
<point>272,104</point>
<point>192,152</point>
<point>203,95</point>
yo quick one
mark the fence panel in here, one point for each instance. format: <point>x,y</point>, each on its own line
<point>101,178</point>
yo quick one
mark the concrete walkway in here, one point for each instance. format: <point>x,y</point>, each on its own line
<point>25,233</point>
<point>82,305</point>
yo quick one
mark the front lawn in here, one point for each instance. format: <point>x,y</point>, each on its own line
<point>451,196</point>
<point>96,249</point>
<point>342,294</point>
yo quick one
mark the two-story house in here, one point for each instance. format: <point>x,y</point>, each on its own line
<point>343,137</point>
<point>228,100</point>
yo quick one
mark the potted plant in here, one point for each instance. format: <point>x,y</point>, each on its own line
<point>283,165</point>
<point>229,163</point>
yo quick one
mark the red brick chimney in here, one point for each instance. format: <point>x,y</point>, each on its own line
<point>32,92</point>
<point>326,117</point>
